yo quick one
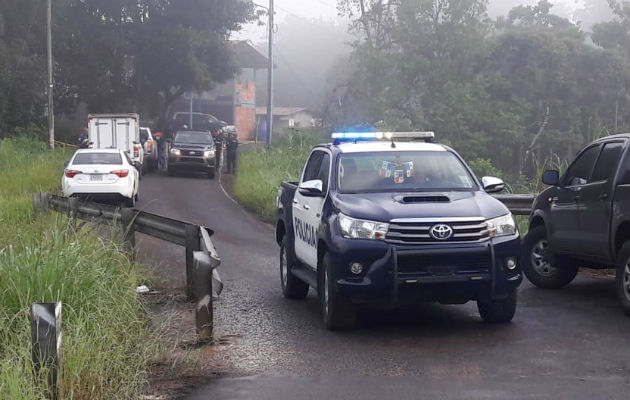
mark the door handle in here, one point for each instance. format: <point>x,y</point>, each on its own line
<point>603,196</point>
<point>295,201</point>
<point>306,207</point>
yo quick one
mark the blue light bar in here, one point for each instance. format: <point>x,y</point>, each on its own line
<point>353,136</point>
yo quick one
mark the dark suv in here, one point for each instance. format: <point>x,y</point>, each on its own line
<point>583,219</point>
<point>192,151</point>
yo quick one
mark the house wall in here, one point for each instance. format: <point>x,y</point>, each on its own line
<point>245,109</point>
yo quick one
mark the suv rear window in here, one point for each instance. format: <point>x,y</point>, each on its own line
<point>97,158</point>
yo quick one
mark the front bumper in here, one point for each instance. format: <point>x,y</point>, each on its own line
<point>191,163</point>
<point>445,272</point>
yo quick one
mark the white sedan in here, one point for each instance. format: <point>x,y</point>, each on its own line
<point>101,173</point>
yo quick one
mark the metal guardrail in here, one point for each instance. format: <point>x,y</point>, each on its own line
<point>518,204</point>
<point>202,259</point>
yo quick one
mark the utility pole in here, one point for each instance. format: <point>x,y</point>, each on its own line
<point>51,114</point>
<point>270,79</point>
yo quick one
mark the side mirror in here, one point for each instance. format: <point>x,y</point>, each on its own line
<point>312,188</point>
<point>492,184</point>
<point>65,164</point>
<point>551,177</point>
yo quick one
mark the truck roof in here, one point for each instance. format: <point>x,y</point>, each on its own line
<point>374,146</point>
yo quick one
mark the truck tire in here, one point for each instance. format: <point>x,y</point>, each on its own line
<point>622,282</point>
<point>211,173</point>
<point>292,287</point>
<point>498,311</point>
<point>538,268</point>
<point>339,313</point>
<point>150,166</point>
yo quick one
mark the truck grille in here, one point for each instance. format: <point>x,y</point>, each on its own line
<point>413,232</point>
<point>445,264</point>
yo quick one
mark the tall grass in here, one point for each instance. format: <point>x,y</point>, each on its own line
<point>261,170</point>
<point>107,343</point>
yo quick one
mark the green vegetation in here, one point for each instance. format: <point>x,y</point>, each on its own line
<point>107,343</point>
<point>260,171</point>
<point>514,90</point>
<point>134,55</point>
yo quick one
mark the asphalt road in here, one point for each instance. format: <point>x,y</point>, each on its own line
<point>567,344</point>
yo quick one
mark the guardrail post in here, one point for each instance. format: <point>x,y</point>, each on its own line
<point>46,342</point>
<point>202,291</point>
<point>192,245</point>
<point>41,202</point>
<point>127,216</point>
<point>73,206</point>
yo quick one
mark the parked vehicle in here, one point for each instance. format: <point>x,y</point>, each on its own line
<point>117,131</point>
<point>392,222</point>
<point>192,151</point>
<point>200,121</point>
<point>101,174</point>
<point>150,148</point>
<point>583,219</point>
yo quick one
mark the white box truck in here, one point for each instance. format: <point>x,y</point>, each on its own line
<point>117,131</point>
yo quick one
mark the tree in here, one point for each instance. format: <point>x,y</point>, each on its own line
<point>113,55</point>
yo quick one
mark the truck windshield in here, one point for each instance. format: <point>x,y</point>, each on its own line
<point>193,138</point>
<point>402,172</point>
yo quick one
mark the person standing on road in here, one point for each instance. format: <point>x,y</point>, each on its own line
<point>232,146</point>
<point>217,136</point>
<point>161,148</point>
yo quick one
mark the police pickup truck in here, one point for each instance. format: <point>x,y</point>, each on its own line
<point>391,218</point>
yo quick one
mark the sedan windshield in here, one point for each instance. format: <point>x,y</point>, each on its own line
<point>193,138</point>
<point>402,172</point>
<point>97,158</point>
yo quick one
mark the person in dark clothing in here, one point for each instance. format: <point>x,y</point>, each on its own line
<point>84,141</point>
<point>161,149</point>
<point>217,136</point>
<point>232,147</point>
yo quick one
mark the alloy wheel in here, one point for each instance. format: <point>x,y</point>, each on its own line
<point>539,259</point>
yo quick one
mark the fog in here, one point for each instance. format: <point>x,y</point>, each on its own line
<point>311,39</point>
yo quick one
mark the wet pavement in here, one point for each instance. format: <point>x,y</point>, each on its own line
<point>567,344</point>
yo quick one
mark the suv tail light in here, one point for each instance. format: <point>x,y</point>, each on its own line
<point>136,151</point>
<point>149,146</point>
<point>71,173</point>
<point>121,173</point>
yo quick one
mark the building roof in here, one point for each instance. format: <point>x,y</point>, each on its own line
<point>247,56</point>
<point>281,111</point>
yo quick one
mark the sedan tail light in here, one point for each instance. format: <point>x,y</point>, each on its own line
<point>121,173</point>
<point>136,151</point>
<point>71,173</point>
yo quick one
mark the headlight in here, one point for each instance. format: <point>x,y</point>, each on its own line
<point>362,229</point>
<point>208,153</point>
<point>176,152</point>
<point>502,226</point>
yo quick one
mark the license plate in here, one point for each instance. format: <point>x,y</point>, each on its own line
<point>96,177</point>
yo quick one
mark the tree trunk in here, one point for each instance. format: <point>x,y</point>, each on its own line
<point>533,142</point>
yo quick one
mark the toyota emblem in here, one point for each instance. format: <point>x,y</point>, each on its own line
<point>441,232</point>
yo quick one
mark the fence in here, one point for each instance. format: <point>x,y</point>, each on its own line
<point>518,204</point>
<point>202,259</point>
